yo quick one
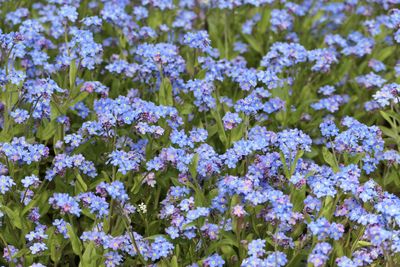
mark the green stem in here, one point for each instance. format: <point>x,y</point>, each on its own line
<point>226,33</point>
<point>132,237</point>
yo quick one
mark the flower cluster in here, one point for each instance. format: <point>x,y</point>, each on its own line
<point>252,133</point>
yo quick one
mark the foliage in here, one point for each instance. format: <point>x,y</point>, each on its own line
<point>199,133</point>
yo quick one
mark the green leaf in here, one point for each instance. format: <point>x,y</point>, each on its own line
<point>80,97</point>
<point>174,262</point>
<point>297,198</point>
<point>330,159</point>
<point>389,132</point>
<point>56,110</point>
<point>42,198</point>
<point>328,207</point>
<point>285,167</point>
<point>153,237</point>
<point>155,19</point>
<point>363,244</point>
<point>89,257</point>
<point>5,136</point>
<point>220,126</point>
<point>384,53</point>
<point>338,248</point>
<point>357,158</point>
<point>186,109</point>
<point>75,242</point>
<point>55,252</point>
<point>254,43</point>
<point>299,154</point>
<point>193,165</point>
<point>81,183</point>
<point>387,118</point>
<point>215,246</point>
<point>20,253</point>
<point>14,216</point>
<point>165,93</point>
<point>54,246</point>
<point>200,199</point>
<point>265,19</point>
<point>72,74</point>
<point>46,132</point>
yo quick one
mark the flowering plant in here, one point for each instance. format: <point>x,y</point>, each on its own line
<point>199,133</point>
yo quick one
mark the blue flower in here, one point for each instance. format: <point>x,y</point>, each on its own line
<point>214,260</point>
<point>6,182</point>
<point>19,115</point>
<point>256,248</point>
<point>65,203</point>
<point>199,39</point>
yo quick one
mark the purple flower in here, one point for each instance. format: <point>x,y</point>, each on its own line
<point>65,203</point>
<point>319,255</point>
<point>19,115</point>
<point>6,182</point>
<point>214,260</point>
<point>37,248</point>
<point>199,40</point>
<point>256,248</point>
<point>231,120</point>
<point>276,259</point>
<point>30,180</point>
<point>281,20</point>
<point>115,189</point>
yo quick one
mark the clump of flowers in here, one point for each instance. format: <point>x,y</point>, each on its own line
<point>200,133</point>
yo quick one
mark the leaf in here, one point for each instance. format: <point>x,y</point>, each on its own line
<point>72,74</point>
<point>80,97</point>
<point>200,199</point>
<point>215,246</point>
<point>297,260</point>
<point>387,118</point>
<point>186,109</point>
<point>20,253</point>
<point>393,176</point>
<point>14,216</point>
<point>46,132</point>
<point>330,159</point>
<point>212,130</point>
<point>228,251</point>
<point>220,126</point>
<point>385,53</point>
<point>88,214</point>
<point>237,132</point>
<point>363,244</point>
<point>299,154</point>
<point>81,183</point>
<point>263,23</point>
<point>193,165</point>
<point>357,158</point>
<point>285,167</point>
<point>155,19</point>
<point>75,242</point>
<point>254,43</point>
<point>389,132</point>
<point>42,198</point>
<point>54,246</point>
<point>297,198</point>
<point>338,249</point>
<point>153,237</point>
<point>165,93</point>
<point>56,110</point>
<point>89,257</point>
<point>328,207</point>
<point>5,136</point>
<point>174,262</point>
